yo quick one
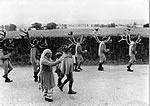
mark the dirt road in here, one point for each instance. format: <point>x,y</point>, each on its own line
<point>112,87</point>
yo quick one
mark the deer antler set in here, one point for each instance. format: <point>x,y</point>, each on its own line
<point>94,34</point>
<point>127,37</point>
<point>73,41</point>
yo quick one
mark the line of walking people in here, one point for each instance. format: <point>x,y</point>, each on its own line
<point>65,62</point>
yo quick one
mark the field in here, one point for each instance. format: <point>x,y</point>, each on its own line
<point>63,32</point>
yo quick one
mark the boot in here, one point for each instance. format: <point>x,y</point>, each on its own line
<point>70,88</point>
<point>100,68</point>
<point>128,67</point>
<point>76,65</point>
<point>79,67</point>
<point>76,70</point>
<point>35,76</point>
<point>48,100</point>
<point>72,92</point>
<point>129,70</point>
<point>8,80</point>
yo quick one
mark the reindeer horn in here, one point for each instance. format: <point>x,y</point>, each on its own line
<point>95,34</point>
<point>125,35</point>
<point>139,39</point>
<point>74,41</point>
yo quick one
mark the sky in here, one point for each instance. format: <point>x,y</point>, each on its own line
<point>73,11</point>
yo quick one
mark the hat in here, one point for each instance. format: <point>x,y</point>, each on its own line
<point>58,54</point>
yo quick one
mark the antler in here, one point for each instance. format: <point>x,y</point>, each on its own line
<point>139,39</point>
<point>71,34</point>
<point>94,34</point>
<point>124,36</point>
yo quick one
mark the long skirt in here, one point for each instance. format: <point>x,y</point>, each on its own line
<point>46,80</point>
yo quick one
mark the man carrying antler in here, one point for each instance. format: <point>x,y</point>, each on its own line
<point>78,51</point>
<point>33,53</point>
<point>102,49</point>
<point>132,47</point>
<point>33,59</point>
<point>5,57</point>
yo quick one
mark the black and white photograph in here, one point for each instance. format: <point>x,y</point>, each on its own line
<point>74,52</point>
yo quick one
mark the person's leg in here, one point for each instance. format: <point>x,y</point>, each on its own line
<point>70,76</point>
<point>62,85</point>
<point>132,59</point>
<point>35,72</point>
<point>10,67</point>
<point>76,65</point>
<point>60,77</point>
<point>101,62</point>
<point>6,71</point>
<point>80,62</point>
<point>100,68</point>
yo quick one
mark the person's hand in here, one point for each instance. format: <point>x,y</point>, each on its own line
<point>61,58</point>
<point>85,51</point>
<point>107,50</point>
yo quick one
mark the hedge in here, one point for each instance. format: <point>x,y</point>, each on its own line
<point>118,53</point>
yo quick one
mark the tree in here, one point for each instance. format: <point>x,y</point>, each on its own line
<point>112,25</point>
<point>51,25</point>
<point>37,26</point>
<point>11,27</point>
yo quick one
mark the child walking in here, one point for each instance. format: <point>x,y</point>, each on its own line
<point>46,76</point>
<point>58,71</point>
<point>33,59</point>
<point>67,67</point>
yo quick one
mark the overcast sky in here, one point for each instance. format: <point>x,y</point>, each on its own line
<point>72,11</point>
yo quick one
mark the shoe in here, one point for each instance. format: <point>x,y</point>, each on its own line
<point>8,80</point>
<point>76,70</point>
<point>35,78</point>
<point>61,88</point>
<point>129,70</point>
<point>101,69</point>
<point>71,92</point>
<point>49,100</point>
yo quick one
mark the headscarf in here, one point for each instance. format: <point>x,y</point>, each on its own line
<point>46,51</point>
